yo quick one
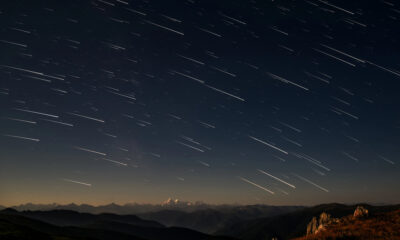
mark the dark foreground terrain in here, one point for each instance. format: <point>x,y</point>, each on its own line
<point>74,225</point>
<point>294,224</point>
<point>376,226</point>
<point>382,223</point>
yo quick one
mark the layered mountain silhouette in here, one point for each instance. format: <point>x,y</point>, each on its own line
<point>74,225</point>
<point>245,223</point>
<point>172,212</point>
<point>128,208</point>
<point>72,218</point>
<point>136,208</point>
<point>211,220</point>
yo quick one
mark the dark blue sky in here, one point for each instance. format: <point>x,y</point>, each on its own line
<point>275,102</point>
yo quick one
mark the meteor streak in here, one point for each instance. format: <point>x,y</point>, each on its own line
<point>255,184</point>
<point>276,178</point>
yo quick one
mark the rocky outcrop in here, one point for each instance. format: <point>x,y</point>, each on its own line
<point>381,223</point>
<point>360,212</point>
<point>316,226</point>
<point>312,226</point>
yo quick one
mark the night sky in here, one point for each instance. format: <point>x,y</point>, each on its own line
<point>228,101</point>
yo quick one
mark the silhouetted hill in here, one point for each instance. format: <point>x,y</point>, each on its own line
<point>73,225</point>
<point>174,233</point>
<point>373,226</point>
<point>293,224</point>
<point>13,231</point>
<point>197,216</point>
<point>14,225</point>
<point>210,220</point>
<point>72,218</point>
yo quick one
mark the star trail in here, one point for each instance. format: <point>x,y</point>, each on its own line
<point>273,102</point>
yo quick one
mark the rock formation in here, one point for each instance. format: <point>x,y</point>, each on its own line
<point>360,212</point>
<point>318,224</point>
<point>315,226</point>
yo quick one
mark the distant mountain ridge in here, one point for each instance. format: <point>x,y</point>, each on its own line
<point>234,222</point>
<point>72,218</point>
<point>65,224</point>
<point>197,216</point>
<point>212,219</point>
<point>128,208</point>
<point>136,208</point>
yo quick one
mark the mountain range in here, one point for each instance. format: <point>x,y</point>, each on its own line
<point>66,224</point>
<point>128,208</point>
<point>197,216</point>
<point>220,222</point>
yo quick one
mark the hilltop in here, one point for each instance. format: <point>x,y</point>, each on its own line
<point>384,225</point>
